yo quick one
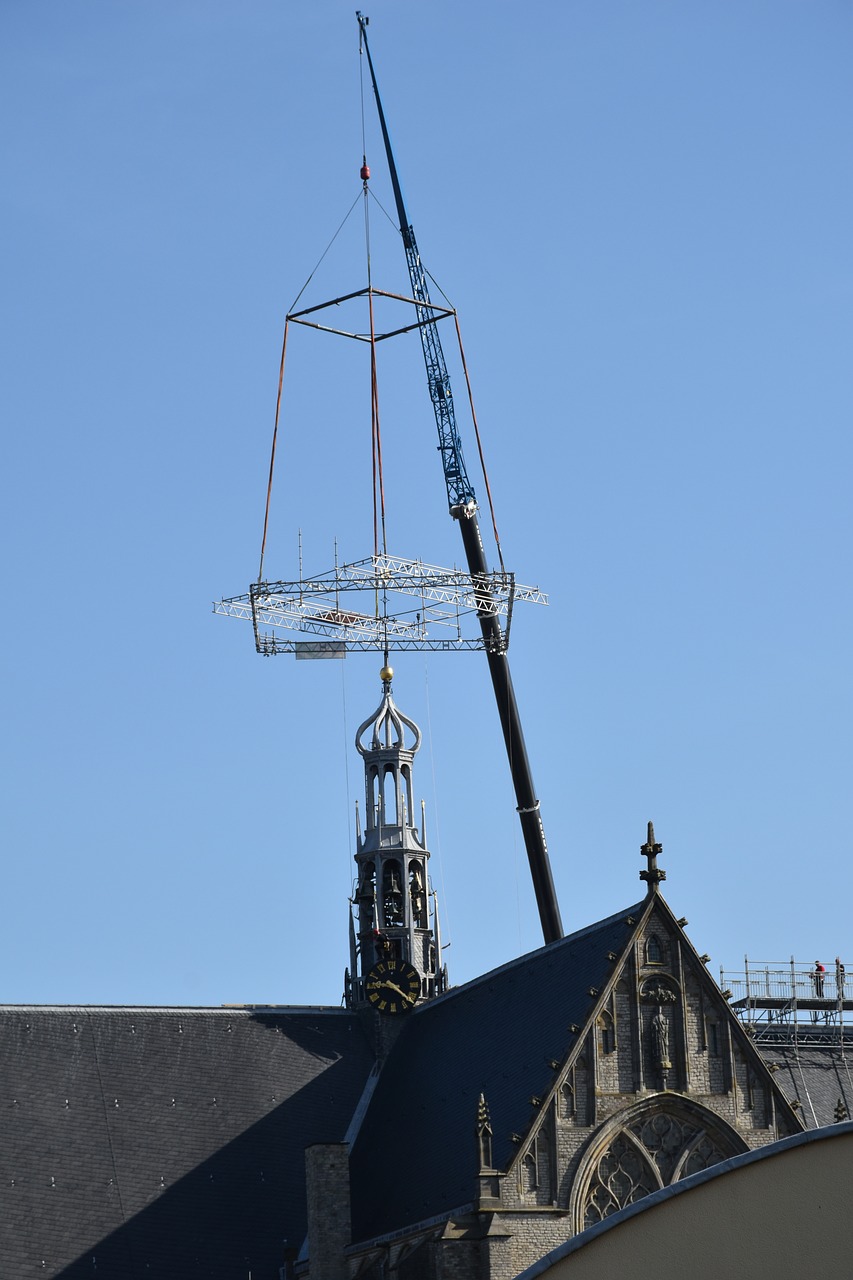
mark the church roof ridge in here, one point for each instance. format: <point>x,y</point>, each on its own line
<point>579,935</point>
<point>226,1010</point>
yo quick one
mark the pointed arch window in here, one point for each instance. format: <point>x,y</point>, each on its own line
<point>655,950</point>
<point>544,1164</point>
<point>652,1147</point>
<point>406,787</point>
<point>529,1172</point>
<point>390,816</point>
<point>607,1031</point>
<point>367,884</point>
<point>417,893</point>
<point>374,813</point>
<point>367,896</point>
<point>392,894</point>
<point>713,1038</point>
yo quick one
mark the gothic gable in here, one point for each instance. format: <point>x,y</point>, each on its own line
<point>659,1082</point>
<point>555,1091</point>
<point>660,1026</point>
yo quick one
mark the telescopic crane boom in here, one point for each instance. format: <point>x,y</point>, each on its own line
<point>463,507</point>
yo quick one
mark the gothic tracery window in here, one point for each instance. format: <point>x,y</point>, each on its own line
<point>664,1137</point>
<point>704,1154</point>
<point>654,1149</point>
<point>622,1175</point>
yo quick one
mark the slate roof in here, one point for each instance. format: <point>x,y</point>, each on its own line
<point>496,1036</point>
<point>166,1142</point>
<point>170,1142</point>
<point>817,1074</point>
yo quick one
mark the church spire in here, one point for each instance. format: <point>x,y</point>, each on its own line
<point>394,919</point>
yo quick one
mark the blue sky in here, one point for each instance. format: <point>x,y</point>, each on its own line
<point>642,213</point>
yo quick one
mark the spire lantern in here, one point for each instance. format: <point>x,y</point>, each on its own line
<point>394,916</point>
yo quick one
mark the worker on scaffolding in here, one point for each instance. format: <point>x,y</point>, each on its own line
<point>817,978</point>
<point>818,975</point>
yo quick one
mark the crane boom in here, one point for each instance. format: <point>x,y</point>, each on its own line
<point>463,508</point>
<point>460,491</point>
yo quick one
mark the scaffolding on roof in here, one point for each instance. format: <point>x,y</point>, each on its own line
<point>786,1002</point>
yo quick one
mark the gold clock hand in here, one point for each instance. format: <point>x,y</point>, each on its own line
<point>399,991</point>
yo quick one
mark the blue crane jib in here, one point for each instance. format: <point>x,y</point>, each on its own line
<point>463,507</point>
<point>460,491</point>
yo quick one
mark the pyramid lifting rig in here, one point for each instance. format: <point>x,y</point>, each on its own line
<point>445,598</point>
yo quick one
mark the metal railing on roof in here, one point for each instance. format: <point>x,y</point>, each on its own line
<point>787,1001</point>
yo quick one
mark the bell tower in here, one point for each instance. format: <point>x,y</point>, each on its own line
<point>393,914</point>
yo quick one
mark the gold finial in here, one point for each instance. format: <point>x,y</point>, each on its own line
<point>386,675</point>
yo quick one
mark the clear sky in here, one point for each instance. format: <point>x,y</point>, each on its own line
<point>642,212</point>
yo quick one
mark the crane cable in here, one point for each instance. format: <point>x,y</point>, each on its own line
<point>375,432</point>
<point>341,226</point>
<point>272,452</point>
<point>376,437</point>
<point>479,443</point>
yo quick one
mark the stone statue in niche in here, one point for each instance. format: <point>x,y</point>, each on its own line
<point>660,995</point>
<point>660,1040</point>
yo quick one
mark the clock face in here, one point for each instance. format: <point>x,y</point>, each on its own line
<point>393,986</point>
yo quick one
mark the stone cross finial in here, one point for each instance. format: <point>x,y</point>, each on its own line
<point>653,874</point>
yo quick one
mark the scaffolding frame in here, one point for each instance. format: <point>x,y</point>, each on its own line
<point>786,1002</point>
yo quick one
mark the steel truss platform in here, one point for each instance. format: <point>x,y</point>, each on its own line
<point>392,604</point>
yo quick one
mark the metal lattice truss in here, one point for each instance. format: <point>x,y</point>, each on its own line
<point>391,603</point>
